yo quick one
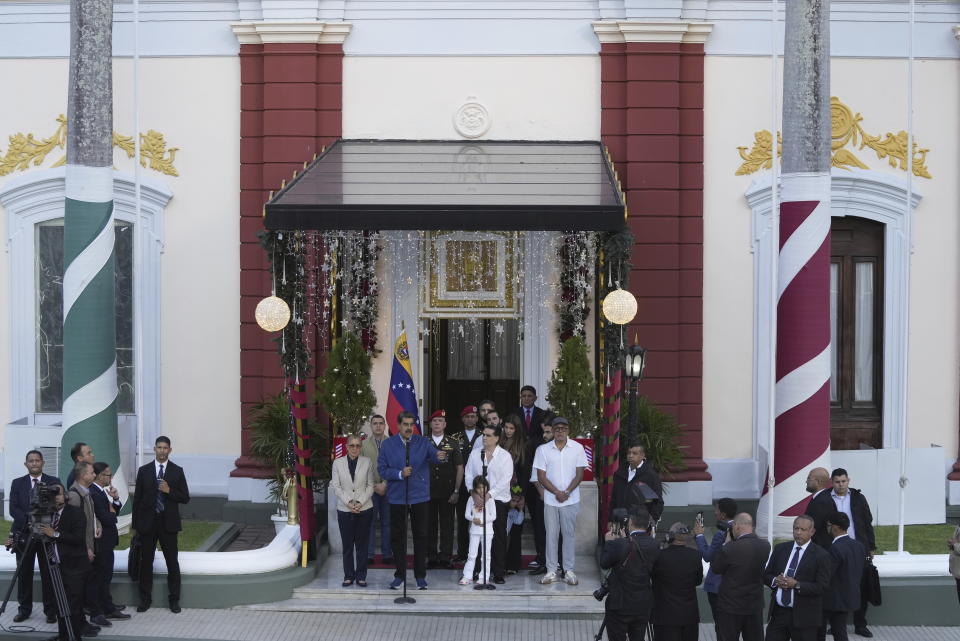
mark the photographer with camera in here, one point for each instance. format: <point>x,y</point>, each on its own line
<point>630,554</point>
<point>67,530</point>
<point>676,575</point>
<point>22,499</point>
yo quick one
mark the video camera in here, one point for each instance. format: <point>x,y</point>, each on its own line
<point>43,505</point>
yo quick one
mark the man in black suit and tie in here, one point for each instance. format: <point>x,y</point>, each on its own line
<point>676,575</point>
<point>848,557</point>
<point>161,488</point>
<point>628,482</point>
<point>21,497</point>
<point>799,574</point>
<point>68,531</point>
<point>106,506</point>
<point>740,599</point>
<point>530,414</point>
<point>820,505</point>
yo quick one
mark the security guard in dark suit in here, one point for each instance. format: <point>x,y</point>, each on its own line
<point>630,560</point>
<point>445,480</point>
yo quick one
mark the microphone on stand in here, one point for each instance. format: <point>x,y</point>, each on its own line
<point>406,513</point>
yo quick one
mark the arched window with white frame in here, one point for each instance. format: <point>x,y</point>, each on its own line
<point>34,205</point>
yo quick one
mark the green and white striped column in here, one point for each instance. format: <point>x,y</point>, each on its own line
<point>89,322</point>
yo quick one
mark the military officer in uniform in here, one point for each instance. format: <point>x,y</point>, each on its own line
<point>445,481</point>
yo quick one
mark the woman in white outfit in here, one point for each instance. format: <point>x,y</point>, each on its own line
<point>481,507</point>
<point>352,482</point>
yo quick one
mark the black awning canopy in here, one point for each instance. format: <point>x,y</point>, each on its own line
<point>376,184</point>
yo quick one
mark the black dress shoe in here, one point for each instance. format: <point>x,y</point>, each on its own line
<point>117,615</point>
<point>51,618</point>
<point>101,621</point>
<point>143,607</point>
<point>863,631</point>
<point>21,616</point>
<point>89,631</point>
<point>93,627</point>
<point>540,570</point>
<point>175,606</point>
<point>498,580</point>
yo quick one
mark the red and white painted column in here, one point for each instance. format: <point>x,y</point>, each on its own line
<point>802,397</point>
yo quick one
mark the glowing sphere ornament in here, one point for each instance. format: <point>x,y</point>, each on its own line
<point>272,314</point>
<point>619,306</point>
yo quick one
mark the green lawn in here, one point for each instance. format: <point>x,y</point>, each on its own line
<point>194,533</point>
<point>917,539</point>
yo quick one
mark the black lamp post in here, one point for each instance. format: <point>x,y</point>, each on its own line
<point>633,364</point>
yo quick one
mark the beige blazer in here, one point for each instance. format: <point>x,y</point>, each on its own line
<point>348,489</point>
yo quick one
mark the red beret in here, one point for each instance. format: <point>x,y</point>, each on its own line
<point>469,409</point>
<point>439,414</point>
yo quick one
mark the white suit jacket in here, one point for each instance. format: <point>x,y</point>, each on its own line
<point>349,489</point>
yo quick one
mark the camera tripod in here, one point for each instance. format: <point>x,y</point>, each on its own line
<point>46,549</point>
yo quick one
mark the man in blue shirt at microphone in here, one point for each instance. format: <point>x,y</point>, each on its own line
<point>404,463</point>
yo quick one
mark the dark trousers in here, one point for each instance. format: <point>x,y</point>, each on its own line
<point>25,581</point>
<point>689,632</point>
<point>355,536</point>
<point>168,545</point>
<point>622,624</point>
<point>514,543</point>
<point>712,598</point>
<point>381,510</point>
<point>860,615</point>
<point>440,518</point>
<point>498,560</point>
<point>418,529</point>
<point>73,572</point>
<point>732,626</point>
<point>463,526</point>
<point>98,598</point>
<point>958,589</point>
<point>535,505</point>
<point>838,624</point>
<point>782,626</point>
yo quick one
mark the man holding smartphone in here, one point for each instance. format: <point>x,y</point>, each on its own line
<point>725,510</point>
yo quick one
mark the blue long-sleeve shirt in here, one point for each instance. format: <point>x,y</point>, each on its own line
<point>711,583</point>
<point>392,460</point>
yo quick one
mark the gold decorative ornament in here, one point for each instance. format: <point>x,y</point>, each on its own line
<point>272,314</point>
<point>25,150</point>
<point>845,130</point>
<point>619,306</point>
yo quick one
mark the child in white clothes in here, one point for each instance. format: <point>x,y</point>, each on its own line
<point>479,508</point>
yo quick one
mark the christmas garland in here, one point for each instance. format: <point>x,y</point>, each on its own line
<point>287,254</point>
<point>575,268</point>
<point>361,288</point>
<point>616,248</point>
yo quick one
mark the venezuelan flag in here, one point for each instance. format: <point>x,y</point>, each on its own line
<point>403,395</point>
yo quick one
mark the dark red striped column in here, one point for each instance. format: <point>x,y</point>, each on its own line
<point>290,100</point>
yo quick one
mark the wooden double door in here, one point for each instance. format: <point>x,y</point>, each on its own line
<point>471,360</point>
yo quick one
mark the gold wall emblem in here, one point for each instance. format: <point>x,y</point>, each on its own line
<point>470,273</point>
<point>845,131</point>
<point>25,150</point>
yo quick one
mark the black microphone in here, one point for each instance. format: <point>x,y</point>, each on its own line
<point>406,449</point>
